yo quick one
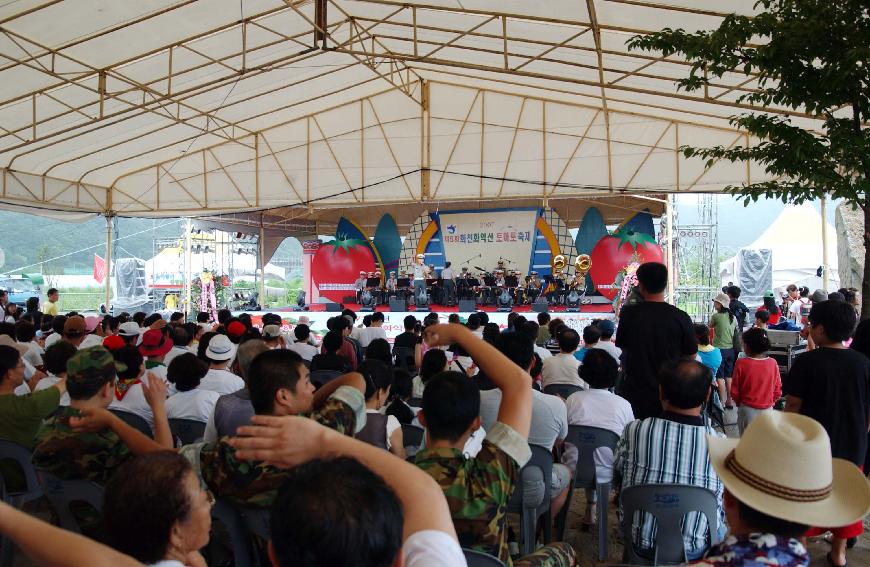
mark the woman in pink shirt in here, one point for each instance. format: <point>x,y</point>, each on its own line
<point>756,384</point>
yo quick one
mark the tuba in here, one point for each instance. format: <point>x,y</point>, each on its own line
<point>581,267</point>
<point>559,263</point>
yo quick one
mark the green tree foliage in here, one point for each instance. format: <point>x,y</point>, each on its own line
<point>811,57</point>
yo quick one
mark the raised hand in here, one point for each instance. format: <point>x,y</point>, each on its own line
<point>154,390</point>
<point>92,420</point>
<point>280,441</point>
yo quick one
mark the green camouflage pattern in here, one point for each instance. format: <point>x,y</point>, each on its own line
<point>69,455</point>
<point>477,492</point>
<point>92,363</point>
<point>559,554</point>
<point>254,484</point>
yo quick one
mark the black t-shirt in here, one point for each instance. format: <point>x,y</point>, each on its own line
<point>833,386</point>
<point>406,340</point>
<point>329,361</point>
<point>651,334</point>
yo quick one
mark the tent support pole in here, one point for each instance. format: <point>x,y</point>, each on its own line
<point>825,243</point>
<point>669,212</point>
<point>262,247</point>
<point>108,274</point>
<point>188,269</point>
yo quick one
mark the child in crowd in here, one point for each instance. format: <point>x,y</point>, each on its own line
<point>711,357</point>
<point>762,318</point>
<point>756,384</point>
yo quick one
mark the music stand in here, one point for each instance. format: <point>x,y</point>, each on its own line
<point>403,282</point>
<point>373,282</point>
<point>489,281</point>
<point>511,281</point>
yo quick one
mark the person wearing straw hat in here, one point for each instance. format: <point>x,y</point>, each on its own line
<point>831,384</point>
<point>778,478</point>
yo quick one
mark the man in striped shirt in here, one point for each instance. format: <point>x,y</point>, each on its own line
<point>672,449</point>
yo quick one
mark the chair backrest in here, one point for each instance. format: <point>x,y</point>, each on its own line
<point>537,473</point>
<point>321,377</point>
<point>12,451</point>
<point>63,493</point>
<point>564,390</point>
<point>403,358</point>
<point>480,559</point>
<point>187,430</point>
<point>412,435</point>
<point>587,439</point>
<point>226,514</point>
<point>257,521</point>
<point>668,503</point>
<point>136,422</point>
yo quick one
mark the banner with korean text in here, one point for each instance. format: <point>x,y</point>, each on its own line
<point>481,238</point>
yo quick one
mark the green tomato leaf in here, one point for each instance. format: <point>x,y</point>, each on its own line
<point>634,238</point>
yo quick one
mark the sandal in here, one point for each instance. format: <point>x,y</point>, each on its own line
<point>831,561</point>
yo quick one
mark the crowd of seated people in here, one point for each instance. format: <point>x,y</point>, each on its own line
<point>314,433</point>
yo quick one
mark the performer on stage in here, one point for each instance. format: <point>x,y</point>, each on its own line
<point>447,279</point>
<point>463,288</point>
<point>500,266</point>
<point>519,292</point>
<point>421,274</point>
<point>556,295</point>
<point>378,291</point>
<point>533,286</point>
<point>390,286</point>
<point>360,285</point>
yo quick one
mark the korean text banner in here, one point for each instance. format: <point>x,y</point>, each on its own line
<point>482,238</point>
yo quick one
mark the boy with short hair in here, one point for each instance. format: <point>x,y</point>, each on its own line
<point>591,337</point>
<point>831,384</point>
<point>52,298</point>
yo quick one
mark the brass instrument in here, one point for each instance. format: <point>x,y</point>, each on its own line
<point>581,267</point>
<point>559,263</point>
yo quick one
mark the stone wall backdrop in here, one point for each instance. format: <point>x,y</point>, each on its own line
<point>849,225</point>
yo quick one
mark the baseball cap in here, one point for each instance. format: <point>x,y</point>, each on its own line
<point>220,348</point>
<point>74,327</point>
<point>236,329</point>
<point>113,342</point>
<point>271,332</point>
<point>155,343</point>
<point>129,329</point>
<point>91,323</point>
<point>91,364</point>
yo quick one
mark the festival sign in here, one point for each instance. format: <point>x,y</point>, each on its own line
<point>481,238</point>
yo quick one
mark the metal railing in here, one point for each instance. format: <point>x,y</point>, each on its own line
<point>696,301</point>
<point>80,301</point>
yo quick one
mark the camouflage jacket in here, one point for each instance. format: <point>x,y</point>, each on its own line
<point>71,456</point>
<point>255,484</point>
<point>478,489</point>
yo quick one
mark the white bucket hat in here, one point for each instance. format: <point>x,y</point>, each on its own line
<point>782,467</point>
<point>723,299</point>
<point>220,348</point>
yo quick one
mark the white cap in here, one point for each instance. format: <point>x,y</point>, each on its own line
<point>220,348</point>
<point>129,329</point>
<point>420,256</point>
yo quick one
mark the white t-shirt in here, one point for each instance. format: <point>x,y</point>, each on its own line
<point>305,350</point>
<point>549,417</point>
<point>562,369</point>
<point>597,408</point>
<point>34,354</point>
<point>48,382</point>
<point>196,404</point>
<point>794,310</point>
<point>370,334</point>
<point>91,341</point>
<point>134,402</point>
<point>611,349</point>
<point>51,339</point>
<point>429,548</point>
<point>221,381</point>
<point>543,353</point>
<point>173,352</point>
<point>392,425</point>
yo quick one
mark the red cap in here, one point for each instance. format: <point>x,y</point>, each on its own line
<point>154,343</point>
<point>236,329</point>
<point>113,342</point>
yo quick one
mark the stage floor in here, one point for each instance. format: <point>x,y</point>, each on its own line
<point>591,308</point>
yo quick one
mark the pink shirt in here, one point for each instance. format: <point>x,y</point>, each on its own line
<point>756,382</point>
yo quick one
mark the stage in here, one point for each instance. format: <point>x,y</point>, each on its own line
<point>394,320</point>
<point>552,310</point>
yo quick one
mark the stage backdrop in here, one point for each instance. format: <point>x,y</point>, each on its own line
<point>481,238</point>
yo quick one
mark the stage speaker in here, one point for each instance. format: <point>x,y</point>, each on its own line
<point>398,305</point>
<point>467,306</point>
<point>332,307</point>
<point>539,307</point>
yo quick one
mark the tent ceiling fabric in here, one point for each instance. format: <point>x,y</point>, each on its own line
<point>188,107</point>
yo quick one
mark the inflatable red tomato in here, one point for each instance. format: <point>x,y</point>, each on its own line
<point>336,266</point>
<point>614,252</point>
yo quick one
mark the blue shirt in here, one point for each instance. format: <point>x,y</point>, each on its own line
<point>580,354</point>
<point>756,550</point>
<point>711,359</point>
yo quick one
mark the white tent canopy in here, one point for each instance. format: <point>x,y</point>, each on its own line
<point>185,107</point>
<point>795,241</point>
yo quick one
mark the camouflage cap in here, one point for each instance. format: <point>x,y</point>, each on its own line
<point>93,363</point>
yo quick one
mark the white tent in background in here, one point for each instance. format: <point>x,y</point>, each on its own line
<point>794,240</point>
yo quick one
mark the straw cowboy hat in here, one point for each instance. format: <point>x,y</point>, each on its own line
<point>782,467</point>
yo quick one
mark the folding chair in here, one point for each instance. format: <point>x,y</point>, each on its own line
<point>63,493</point>
<point>668,503</point>
<point>481,559</point>
<point>10,451</point>
<point>226,514</point>
<point>563,390</point>
<point>587,440</point>
<point>187,430</point>
<point>531,497</point>
<point>136,422</point>
<point>321,377</point>
<point>412,437</point>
